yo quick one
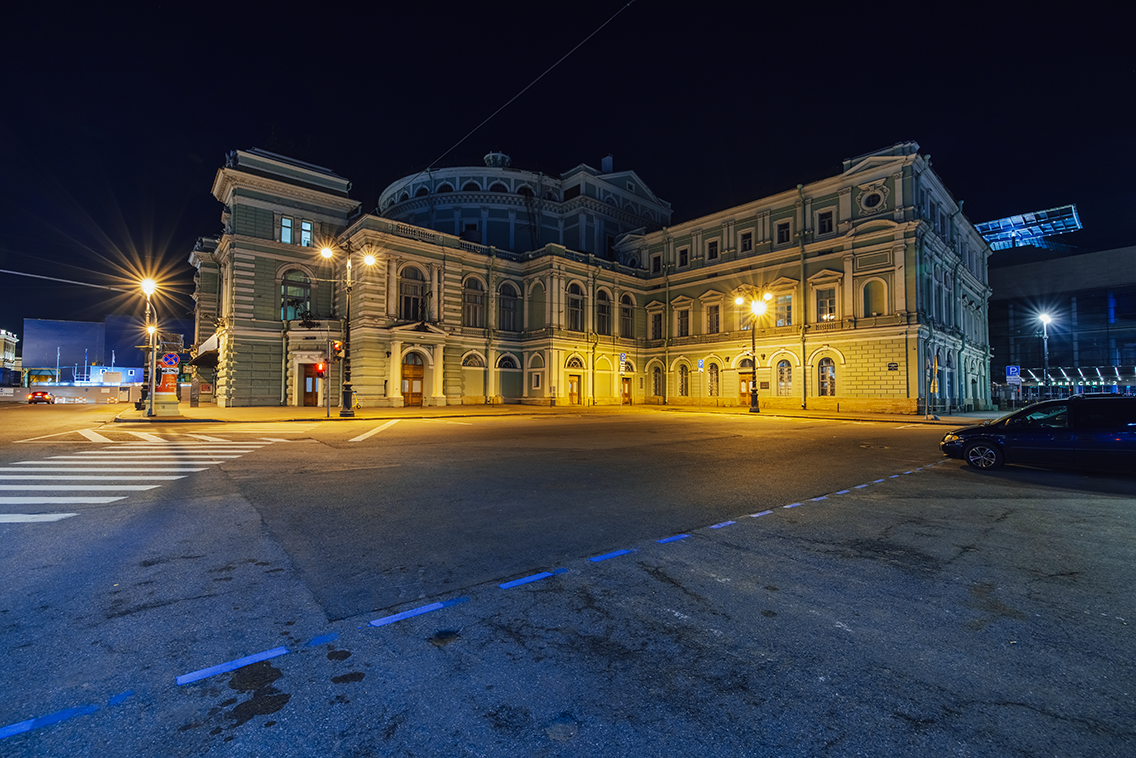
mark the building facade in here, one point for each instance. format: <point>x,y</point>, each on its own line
<point>875,284</point>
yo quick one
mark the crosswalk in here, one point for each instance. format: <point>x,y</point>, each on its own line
<point>110,474</point>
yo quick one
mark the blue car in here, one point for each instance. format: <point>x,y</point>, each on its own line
<point>1080,431</point>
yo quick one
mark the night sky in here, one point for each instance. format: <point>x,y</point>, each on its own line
<point>114,122</point>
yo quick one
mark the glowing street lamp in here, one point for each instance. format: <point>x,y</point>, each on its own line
<point>1045,318</point>
<point>757,307</point>
<point>149,286</point>
<point>347,406</point>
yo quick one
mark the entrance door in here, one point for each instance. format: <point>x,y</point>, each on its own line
<point>626,390</point>
<point>412,373</point>
<point>573,389</point>
<point>311,386</point>
<point>743,387</point>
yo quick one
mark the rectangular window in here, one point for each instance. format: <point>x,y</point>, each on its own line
<point>712,250</point>
<point>508,314</point>
<point>683,257</point>
<point>783,233</point>
<point>826,305</point>
<point>626,324</point>
<point>824,222</point>
<point>305,233</point>
<point>684,323</point>
<point>575,313</point>
<point>536,381</point>
<point>286,230</point>
<point>656,326</point>
<point>713,320</point>
<point>784,310</point>
<point>656,264</point>
<point>603,317</point>
<point>746,245</point>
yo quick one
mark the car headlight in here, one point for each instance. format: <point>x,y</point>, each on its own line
<point>951,438</point>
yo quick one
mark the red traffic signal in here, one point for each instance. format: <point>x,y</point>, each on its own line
<point>321,370</point>
<point>337,351</point>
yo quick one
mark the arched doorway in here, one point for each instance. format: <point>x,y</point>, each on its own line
<point>413,372</point>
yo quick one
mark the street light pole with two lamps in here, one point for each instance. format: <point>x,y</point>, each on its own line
<point>757,307</point>
<point>149,286</point>
<point>347,402</point>
<point>1045,318</point>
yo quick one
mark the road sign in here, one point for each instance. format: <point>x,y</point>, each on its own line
<point>622,364</point>
<point>699,365</point>
<point>170,360</point>
<point>1013,375</point>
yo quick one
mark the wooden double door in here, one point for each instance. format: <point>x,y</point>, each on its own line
<point>413,375</point>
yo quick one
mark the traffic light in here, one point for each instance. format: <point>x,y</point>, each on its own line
<point>337,350</point>
<point>321,370</point>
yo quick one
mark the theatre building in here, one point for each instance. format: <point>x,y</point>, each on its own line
<point>492,284</point>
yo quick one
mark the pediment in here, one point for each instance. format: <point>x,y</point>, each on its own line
<point>416,331</point>
<point>681,301</point>
<point>827,276</point>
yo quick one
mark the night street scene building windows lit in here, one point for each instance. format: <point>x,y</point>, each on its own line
<point>497,260</point>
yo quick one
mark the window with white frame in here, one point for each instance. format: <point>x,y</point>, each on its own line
<point>784,379</point>
<point>473,304</point>
<point>826,305</point>
<point>684,322</point>
<point>626,317</point>
<point>306,230</point>
<point>825,223</point>
<point>657,382</point>
<point>295,295</point>
<point>536,381</point>
<point>657,325</point>
<point>684,380</point>
<point>784,310</point>
<point>827,377</point>
<point>712,380</point>
<point>286,230</point>
<point>575,308</point>
<point>745,242</point>
<point>412,294</point>
<point>656,264</point>
<point>683,257</point>
<point>783,233</point>
<point>712,250</point>
<point>603,313</point>
<point>713,319</point>
<point>507,308</point>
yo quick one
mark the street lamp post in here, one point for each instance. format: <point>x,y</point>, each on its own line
<point>1045,319</point>
<point>149,286</point>
<point>757,308</point>
<point>347,405</point>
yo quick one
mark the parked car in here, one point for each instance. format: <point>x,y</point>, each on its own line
<point>1083,431</point>
<point>40,397</point>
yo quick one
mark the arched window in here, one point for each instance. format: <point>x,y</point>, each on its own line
<point>295,295</point>
<point>713,379</point>
<point>575,308</point>
<point>506,362</point>
<point>421,192</point>
<point>498,187</point>
<point>626,317</point>
<point>745,363</point>
<point>471,187</point>
<point>827,378</point>
<point>473,361</point>
<point>473,304</point>
<point>657,382</point>
<point>412,295</point>
<point>507,320</point>
<point>603,313</point>
<point>445,188</point>
<point>403,197</point>
<point>526,191</point>
<point>784,379</point>
<point>684,380</point>
<point>874,299</point>
<point>575,362</point>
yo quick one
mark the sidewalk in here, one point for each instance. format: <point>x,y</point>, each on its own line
<point>208,412</point>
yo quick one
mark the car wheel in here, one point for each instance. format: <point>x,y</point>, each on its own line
<point>982,455</point>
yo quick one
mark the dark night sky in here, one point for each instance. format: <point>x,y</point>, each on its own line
<point>114,122</point>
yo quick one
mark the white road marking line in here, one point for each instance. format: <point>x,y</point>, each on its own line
<point>147,436</point>
<point>58,500</point>
<point>374,431</point>
<point>207,438</point>
<point>118,455</point>
<point>73,487</point>
<point>91,477</point>
<point>94,436</point>
<point>100,462</point>
<point>29,518</point>
<point>72,469</point>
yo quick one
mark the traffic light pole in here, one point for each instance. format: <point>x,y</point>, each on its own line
<point>346,409</point>
<point>326,393</point>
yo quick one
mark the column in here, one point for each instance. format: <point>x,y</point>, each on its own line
<point>394,383</point>
<point>439,393</point>
<point>392,287</point>
<point>490,374</point>
<point>435,294</point>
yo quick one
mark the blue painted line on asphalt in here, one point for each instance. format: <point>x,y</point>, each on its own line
<point>877,481</point>
<point>822,497</point>
<point>613,554</point>
<point>724,523</point>
<point>675,538</point>
<point>791,505</point>
<point>323,639</point>
<point>417,611</point>
<point>894,476</point>
<point>120,697</point>
<point>221,668</point>
<point>843,492</point>
<point>533,578</point>
<point>758,515</point>
<point>41,721</point>
<point>860,486</point>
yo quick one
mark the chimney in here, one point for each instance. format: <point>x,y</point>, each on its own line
<point>606,164</point>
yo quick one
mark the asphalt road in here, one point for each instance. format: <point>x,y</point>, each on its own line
<point>605,584</point>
